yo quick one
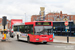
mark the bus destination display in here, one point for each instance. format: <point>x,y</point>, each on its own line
<point>43,23</point>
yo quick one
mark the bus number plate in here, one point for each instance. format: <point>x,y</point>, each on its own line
<point>44,41</point>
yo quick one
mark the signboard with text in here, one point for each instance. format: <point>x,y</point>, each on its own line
<point>67,27</point>
<point>43,23</point>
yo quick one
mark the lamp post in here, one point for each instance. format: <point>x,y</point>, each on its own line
<point>25,17</point>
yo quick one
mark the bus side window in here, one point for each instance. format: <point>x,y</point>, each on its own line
<point>22,29</point>
<point>15,28</point>
<point>31,29</point>
<point>25,31</point>
<point>28,31</point>
<point>26,27</point>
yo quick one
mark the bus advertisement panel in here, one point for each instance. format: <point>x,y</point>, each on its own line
<point>38,31</point>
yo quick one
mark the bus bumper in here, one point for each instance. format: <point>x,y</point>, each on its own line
<point>38,40</point>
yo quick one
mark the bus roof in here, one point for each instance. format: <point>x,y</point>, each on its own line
<point>27,23</point>
<point>19,24</point>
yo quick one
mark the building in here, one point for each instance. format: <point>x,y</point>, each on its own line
<point>35,17</point>
<point>59,17</point>
<point>58,22</point>
<point>54,16</point>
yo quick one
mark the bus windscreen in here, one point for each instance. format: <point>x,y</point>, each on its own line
<point>43,23</point>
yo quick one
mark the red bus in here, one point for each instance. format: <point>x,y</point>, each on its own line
<point>37,31</point>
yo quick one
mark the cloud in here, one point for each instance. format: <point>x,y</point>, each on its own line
<point>70,7</point>
<point>16,9</point>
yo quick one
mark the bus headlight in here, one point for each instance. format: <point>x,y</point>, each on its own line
<point>50,38</point>
<point>37,39</point>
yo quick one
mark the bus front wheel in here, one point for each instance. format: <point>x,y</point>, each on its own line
<point>17,37</point>
<point>44,42</point>
<point>28,39</point>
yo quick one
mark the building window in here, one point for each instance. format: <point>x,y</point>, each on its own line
<point>48,19</point>
<point>34,18</point>
<point>53,13</point>
<point>48,16</point>
<point>57,15</point>
<point>71,16</point>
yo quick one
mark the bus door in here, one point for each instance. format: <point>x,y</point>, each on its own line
<point>23,33</point>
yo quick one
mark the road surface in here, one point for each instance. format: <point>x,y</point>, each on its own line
<point>13,44</point>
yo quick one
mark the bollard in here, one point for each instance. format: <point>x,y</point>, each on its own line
<point>4,37</point>
<point>53,35</point>
<point>67,38</point>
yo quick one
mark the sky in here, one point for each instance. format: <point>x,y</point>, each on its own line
<point>24,9</point>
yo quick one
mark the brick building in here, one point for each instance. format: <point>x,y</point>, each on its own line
<point>54,16</point>
<point>35,17</point>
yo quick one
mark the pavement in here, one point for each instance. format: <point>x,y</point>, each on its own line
<point>13,44</point>
<point>23,45</point>
<point>63,39</point>
<point>57,39</point>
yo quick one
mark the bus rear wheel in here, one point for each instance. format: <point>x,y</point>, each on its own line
<point>28,39</point>
<point>17,37</point>
<point>44,42</point>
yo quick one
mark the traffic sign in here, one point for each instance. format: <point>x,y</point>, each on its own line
<point>67,27</point>
<point>66,23</point>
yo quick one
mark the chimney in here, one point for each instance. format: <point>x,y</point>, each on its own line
<point>60,14</point>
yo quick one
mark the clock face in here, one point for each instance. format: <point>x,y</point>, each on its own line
<point>65,19</point>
